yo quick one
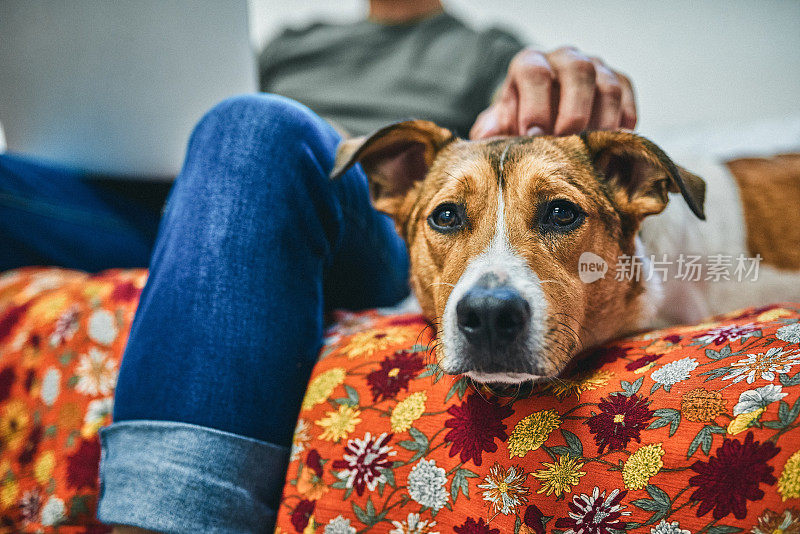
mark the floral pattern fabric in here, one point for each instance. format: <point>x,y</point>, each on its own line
<point>687,430</point>
<point>62,334</point>
<point>692,429</point>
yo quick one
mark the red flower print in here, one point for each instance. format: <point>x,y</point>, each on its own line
<point>302,513</point>
<point>674,338</point>
<point>83,466</point>
<point>31,446</point>
<point>394,374</point>
<point>728,480</point>
<point>7,378</point>
<point>609,354</point>
<point>475,425</point>
<point>471,527</point>
<point>723,334</point>
<point>595,513</point>
<point>29,379</point>
<point>643,361</point>
<point>404,320</point>
<point>533,519</point>
<point>314,462</point>
<point>363,461</point>
<point>125,291</point>
<point>620,420</point>
<point>10,318</point>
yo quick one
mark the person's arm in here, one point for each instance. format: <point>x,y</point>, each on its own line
<point>558,93</point>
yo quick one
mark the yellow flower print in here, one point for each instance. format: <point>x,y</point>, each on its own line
<point>641,465</point>
<point>532,432</point>
<point>565,387</point>
<point>340,423</point>
<point>789,482</point>
<point>322,386</point>
<point>408,410</point>
<point>701,405</point>
<point>43,469</point>
<point>8,493</point>
<point>661,346</point>
<point>14,425</point>
<point>365,344</point>
<point>771,315</point>
<point>743,421</point>
<point>49,308</point>
<point>310,485</point>
<point>560,476</point>
<point>311,528</point>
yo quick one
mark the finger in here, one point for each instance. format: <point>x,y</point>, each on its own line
<point>628,103</point>
<point>486,121</point>
<point>575,75</point>
<point>607,108</point>
<point>533,78</point>
<point>500,118</point>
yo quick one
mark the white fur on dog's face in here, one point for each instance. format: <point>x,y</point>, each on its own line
<point>499,259</point>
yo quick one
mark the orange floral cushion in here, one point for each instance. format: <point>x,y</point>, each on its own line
<point>685,430</point>
<point>676,430</point>
<point>62,334</point>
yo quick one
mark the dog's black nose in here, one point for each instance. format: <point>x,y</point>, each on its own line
<point>492,317</point>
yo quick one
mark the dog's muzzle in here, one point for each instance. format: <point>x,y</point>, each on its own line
<point>491,316</point>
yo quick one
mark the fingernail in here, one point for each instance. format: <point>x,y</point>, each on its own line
<point>534,130</point>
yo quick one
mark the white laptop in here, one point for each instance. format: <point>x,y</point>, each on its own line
<point>115,87</point>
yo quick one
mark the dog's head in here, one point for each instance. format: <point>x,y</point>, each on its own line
<point>495,230</point>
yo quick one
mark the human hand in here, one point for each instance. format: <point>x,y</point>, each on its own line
<point>558,93</point>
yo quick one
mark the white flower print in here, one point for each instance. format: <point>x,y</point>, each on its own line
<point>426,484</point>
<point>413,525</point>
<point>51,386</point>
<point>98,409</point>
<point>727,333</point>
<point>97,374</point>
<point>789,333</point>
<point>299,440</point>
<point>505,489</point>
<point>668,528</point>
<point>339,525</point>
<point>674,372</point>
<point>102,327</point>
<point>754,399</point>
<point>53,512</point>
<point>66,326</point>
<point>763,365</point>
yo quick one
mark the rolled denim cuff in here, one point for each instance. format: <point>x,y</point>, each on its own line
<point>176,477</point>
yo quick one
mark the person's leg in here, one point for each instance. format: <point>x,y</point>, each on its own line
<point>55,216</point>
<point>230,322</point>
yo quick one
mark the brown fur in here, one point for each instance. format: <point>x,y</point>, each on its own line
<point>616,178</point>
<point>770,192</point>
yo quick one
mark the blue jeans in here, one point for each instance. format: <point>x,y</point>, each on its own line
<point>51,215</point>
<point>255,244</point>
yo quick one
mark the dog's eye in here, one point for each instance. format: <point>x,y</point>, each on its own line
<point>562,215</point>
<point>447,218</point>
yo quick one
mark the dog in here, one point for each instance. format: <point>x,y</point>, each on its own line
<point>496,230</point>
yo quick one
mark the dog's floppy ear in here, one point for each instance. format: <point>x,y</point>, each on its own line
<point>642,172</point>
<point>394,159</point>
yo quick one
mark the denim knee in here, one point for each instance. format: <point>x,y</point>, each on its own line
<point>262,158</point>
<point>266,121</point>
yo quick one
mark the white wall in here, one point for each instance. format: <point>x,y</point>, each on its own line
<point>695,64</point>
